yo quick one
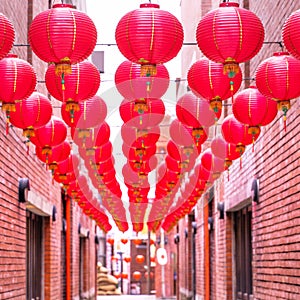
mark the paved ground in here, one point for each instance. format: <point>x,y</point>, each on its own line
<point>127,297</point>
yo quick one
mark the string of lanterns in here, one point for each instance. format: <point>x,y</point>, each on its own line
<point>148,37</point>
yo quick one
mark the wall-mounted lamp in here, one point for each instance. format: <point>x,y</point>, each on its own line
<point>194,227</point>
<point>176,239</point>
<point>255,190</point>
<point>221,209</point>
<point>23,189</point>
<point>54,213</point>
<point>210,223</point>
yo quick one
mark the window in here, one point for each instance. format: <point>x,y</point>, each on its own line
<point>243,253</point>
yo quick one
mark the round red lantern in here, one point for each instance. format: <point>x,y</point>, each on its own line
<point>62,35</point>
<point>18,81</point>
<point>207,79</point>
<point>230,35</point>
<point>83,83</point>
<point>131,85</point>
<point>277,77</point>
<point>235,132</point>
<point>194,111</point>
<point>127,259</point>
<point>58,153</point>
<point>224,150</point>
<point>290,34</point>
<point>90,113</point>
<point>138,153</point>
<point>142,113</point>
<point>254,109</point>
<point>50,135</point>
<point>124,241</point>
<point>181,153</point>
<point>137,275</point>
<point>149,36</point>
<point>7,35</point>
<point>140,136</point>
<point>212,163</point>
<point>30,113</point>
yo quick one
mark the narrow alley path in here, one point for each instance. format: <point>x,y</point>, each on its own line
<point>127,297</point>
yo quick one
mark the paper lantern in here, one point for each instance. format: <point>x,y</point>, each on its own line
<point>140,43</point>
<point>131,85</point>
<point>62,35</point>
<point>7,35</point>
<point>137,275</point>
<point>230,35</point>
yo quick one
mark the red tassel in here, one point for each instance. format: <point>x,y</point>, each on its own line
<point>241,163</point>
<point>7,127</point>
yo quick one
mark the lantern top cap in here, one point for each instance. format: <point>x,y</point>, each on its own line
<point>11,55</point>
<point>229,4</point>
<point>280,53</point>
<point>145,5</point>
<point>60,5</point>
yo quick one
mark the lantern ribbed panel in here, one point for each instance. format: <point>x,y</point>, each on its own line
<point>151,116</point>
<point>278,76</point>
<point>252,108</point>
<point>291,34</point>
<point>207,79</point>
<point>7,35</point>
<point>34,111</point>
<point>179,153</point>
<point>230,32</point>
<point>62,33</point>
<point>18,79</point>
<point>81,84</point>
<point>91,113</point>
<point>149,35</point>
<point>52,134</point>
<point>58,153</point>
<point>194,112</point>
<point>131,85</point>
<point>235,132</point>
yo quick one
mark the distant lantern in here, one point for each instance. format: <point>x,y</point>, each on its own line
<point>277,77</point>
<point>7,35</point>
<point>137,275</point>
<point>149,36</point>
<point>62,36</point>
<point>207,79</point>
<point>230,35</point>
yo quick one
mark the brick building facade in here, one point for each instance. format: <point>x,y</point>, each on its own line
<point>36,261</point>
<point>251,251</point>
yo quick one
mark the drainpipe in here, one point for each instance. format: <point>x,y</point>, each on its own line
<point>68,248</point>
<point>206,251</point>
<point>194,230</point>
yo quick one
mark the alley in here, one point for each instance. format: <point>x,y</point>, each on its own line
<point>127,297</point>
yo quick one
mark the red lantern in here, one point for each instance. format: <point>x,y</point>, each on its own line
<point>207,79</point>
<point>235,132</point>
<point>124,275</point>
<point>252,108</point>
<point>58,153</point>
<point>7,35</point>
<point>137,275</point>
<point>138,153</point>
<point>83,83</point>
<point>110,241</point>
<point>277,77</point>
<point>131,85</point>
<point>137,241</point>
<point>127,259</point>
<point>290,34</point>
<point>142,113</point>
<point>224,150</point>
<point>140,43</point>
<point>181,153</point>
<point>90,113</point>
<point>50,135</point>
<point>230,35</point>
<point>62,35</point>
<point>212,163</point>
<point>124,241</point>
<point>142,137</point>
<point>194,112</point>
<point>30,113</point>
<point>18,81</point>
